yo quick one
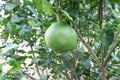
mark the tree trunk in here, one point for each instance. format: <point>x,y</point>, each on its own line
<point>103,72</point>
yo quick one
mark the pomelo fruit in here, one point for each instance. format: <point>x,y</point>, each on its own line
<point>60,37</point>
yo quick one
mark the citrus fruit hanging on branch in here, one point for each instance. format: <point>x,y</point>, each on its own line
<point>60,37</point>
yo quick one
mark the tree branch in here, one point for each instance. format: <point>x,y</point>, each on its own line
<point>100,14</point>
<point>87,46</point>
<point>113,46</point>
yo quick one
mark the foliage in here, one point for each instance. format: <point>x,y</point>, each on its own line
<point>22,30</point>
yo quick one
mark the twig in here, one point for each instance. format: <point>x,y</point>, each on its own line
<point>27,74</point>
<point>116,36</point>
<point>36,64</point>
<point>66,74</point>
<point>30,76</point>
<point>118,65</point>
<point>87,46</point>
<point>113,46</point>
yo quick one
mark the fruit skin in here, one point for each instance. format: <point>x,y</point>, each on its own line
<point>60,37</point>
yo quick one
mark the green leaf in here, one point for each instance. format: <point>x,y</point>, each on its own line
<point>21,51</point>
<point>42,77</point>
<point>45,62</point>
<point>47,7</point>
<point>61,67</point>
<point>4,21</point>
<point>115,1</point>
<point>9,47</point>
<point>63,78</point>
<point>0,51</point>
<point>67,15</point>
<point>10,6</point>
<point>32,52</point>
<point>32,10</point>
<point>38,4</point>
<point>33,23</point>
<point>115,57</point>
<point>15,66</point>
<point>2,75</point>
<point>5,34</point>
<point>21,58</point>
<point>0,66</point>
<point>106,37</point>
<point>85,61</point>
<point>24,31</point>
<point>52,1</point>
<point>16,18</point>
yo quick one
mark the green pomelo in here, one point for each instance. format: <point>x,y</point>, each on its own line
<point>60,37</point>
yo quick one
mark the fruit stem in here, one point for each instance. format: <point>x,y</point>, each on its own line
<point>58,13</point>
